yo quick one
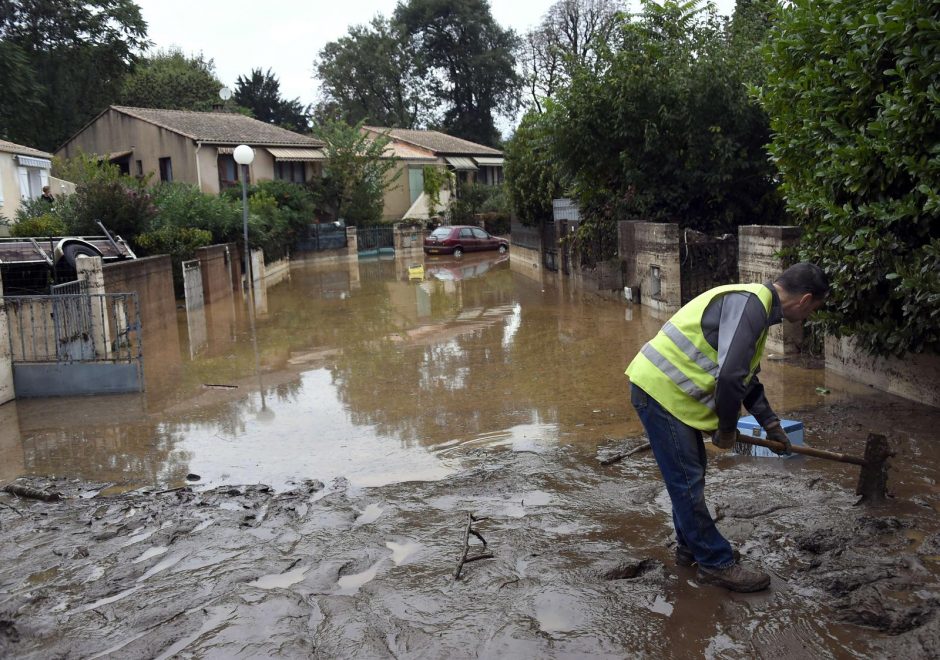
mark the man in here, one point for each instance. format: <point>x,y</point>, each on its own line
<point>693,376</point>
<point>47,195</point>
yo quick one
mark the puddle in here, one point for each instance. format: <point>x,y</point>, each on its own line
<point>280,580</point>
<point>348,585</point>
<point>369,515</point>
<point>556,613</point>
<point>402,551</point>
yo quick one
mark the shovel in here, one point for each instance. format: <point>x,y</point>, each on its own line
<point>872,482</point>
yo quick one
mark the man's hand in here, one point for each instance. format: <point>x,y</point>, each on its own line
<point>776,433</point>
<point>725,439</point>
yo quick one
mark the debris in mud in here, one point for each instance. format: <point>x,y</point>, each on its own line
<point>465,558</point>
<point>610,459</point>
<point>31,493</point>
<point>869,606</point>
<point>628,569</point>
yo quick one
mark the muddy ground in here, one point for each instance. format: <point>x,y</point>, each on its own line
<point>582,561</point>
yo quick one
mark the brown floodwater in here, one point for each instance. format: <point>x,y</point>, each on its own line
<point>365,374</point>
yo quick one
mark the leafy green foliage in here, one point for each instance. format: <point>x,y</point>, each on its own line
<point>533,174</point>
<point>473,199</point>
<point>370,76</point>
<point>37,222</point>
<point>261,94</point>
<point>853,95</point>
<point>171,80</point>
<point>667,132</point>
<point>74,53</point>
<point>468,61</point>
<point>356,174</point>
<point>435,178</point>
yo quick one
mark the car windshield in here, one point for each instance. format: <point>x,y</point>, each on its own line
<point>441,232</point>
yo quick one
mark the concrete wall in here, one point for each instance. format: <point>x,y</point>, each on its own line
<point>657,244</point>
<point>216,266</point>
<point>758,261</point>
<point>152,279</point>
<point>408,240</point>
<point>915,377</point>
<point>526,261</point>
<point>341,255</point>
<point>6,364</point>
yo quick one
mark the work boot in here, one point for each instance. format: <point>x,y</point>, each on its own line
<point>734,578</point>
<point>684,556</point>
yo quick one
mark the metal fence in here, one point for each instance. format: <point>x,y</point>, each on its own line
<point>326,236</point>
<point>706,264</point>
<point>525,237</point>
<point>74,328</point>
<point>375,239</point>
<point>74,287</point>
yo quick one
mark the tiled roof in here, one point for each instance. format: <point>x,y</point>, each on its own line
<point>220,127</point>
<point>436,141</point>
<point>13,148</point>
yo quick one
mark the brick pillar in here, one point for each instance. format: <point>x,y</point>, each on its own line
<point>759,261</point>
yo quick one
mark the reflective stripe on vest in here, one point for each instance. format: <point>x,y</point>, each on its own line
<point>678,367</point>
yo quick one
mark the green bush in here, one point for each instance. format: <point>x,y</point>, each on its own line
<point>472,199</point>
<point>48,224</point>
<point>852,96</point>
<point>178,242</point>
<point>533,175</point>
<point>183,205</point>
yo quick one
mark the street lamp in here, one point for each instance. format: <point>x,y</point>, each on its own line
<point>243,155</point>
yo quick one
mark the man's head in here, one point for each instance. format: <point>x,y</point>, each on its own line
<point>803,288</point>
<point>45,190</point>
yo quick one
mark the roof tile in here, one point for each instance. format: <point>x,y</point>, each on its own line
<point>436,141</point>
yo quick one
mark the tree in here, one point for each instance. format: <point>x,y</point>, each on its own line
<point>852,96</point>
<point>75,53</point>
<point>533,178</point>
<point>261,94</point>
<point>666,130</point>
<point>570,36</point>
<point>171,80</point>
<point>467,60</point>
<point>356,175</point>
<point>370,76</point>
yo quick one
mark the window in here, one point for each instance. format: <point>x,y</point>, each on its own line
<point>228,171</point>
<point>466,233</point>
<point>289,171</point>
<point>479,233</point>
<point>32,179</point>
<point>140,168</point>
<point>166,169</point>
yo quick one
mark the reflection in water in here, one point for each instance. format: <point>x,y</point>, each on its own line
<point>362,372</point>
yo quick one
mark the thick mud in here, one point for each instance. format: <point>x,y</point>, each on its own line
<point>582,562</point>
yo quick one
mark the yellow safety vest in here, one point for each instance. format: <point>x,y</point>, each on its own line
<point>678,367</point>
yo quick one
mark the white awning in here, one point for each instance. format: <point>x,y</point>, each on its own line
<point>489,161</point>
<point>225,151</point>
<point>32,161</point>
<point>295,154</point>
<point>459,163</point>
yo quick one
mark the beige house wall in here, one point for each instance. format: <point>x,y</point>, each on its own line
<point>115,131</point>
<point>397,198</point>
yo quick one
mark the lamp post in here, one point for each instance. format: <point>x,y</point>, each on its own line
<point>243,155</point>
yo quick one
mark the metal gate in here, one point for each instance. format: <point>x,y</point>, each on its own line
<point>325,236</point>
<point>79,343</point>
<point>705,264</point>
<point>377,239</point>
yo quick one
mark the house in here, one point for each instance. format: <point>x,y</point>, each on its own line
<point>195,147</point>
<point>415,150</point>
<point>24,172</point>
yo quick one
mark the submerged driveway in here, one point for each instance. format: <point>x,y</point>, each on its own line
<point>386,410</point>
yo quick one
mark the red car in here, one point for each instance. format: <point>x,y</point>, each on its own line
<point>457,239</point>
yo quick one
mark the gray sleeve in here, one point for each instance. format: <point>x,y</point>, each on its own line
<point>757,404</point>
<point>743,319</point>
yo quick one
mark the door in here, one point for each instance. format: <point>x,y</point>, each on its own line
<point>484,240</point>
<point>415,182</point>
<point>467,241</point>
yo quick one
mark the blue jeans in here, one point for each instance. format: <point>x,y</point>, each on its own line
<point>680,453</point>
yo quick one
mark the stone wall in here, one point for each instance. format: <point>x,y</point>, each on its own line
<point>656,262</point>
<point>408,240</point>
<point>915,377</point>
<point>758,261</point>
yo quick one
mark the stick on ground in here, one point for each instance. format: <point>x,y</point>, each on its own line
<point>31,493</point>
<point>464,558</point>
<point>616,458</point>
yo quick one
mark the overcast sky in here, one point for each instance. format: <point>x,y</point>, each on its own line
<point>286,35</point>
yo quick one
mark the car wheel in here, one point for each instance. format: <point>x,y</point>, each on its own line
<point>502,249</point>
<point>458,252</point>
<point>73,251</point>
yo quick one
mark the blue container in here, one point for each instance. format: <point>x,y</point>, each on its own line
<point>749,426</point>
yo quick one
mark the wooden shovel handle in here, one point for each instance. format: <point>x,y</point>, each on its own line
<point>800,449</point>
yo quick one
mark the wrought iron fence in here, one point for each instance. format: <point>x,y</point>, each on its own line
<point>525,237</point>
<point>706,264</point>
<point>325,236</point>
<point>377,238</point>
<point>74,287</point>
<point>74,328</point>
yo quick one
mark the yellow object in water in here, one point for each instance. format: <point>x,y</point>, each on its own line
<point>416,272</point>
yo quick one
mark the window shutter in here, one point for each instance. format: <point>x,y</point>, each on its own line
<point>43,178</point>
<point>24,183</point>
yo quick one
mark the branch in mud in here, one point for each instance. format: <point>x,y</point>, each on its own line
<point>31,493</point>
<point>11,508</point>
<point>616,458</point>
<point>464,557</point>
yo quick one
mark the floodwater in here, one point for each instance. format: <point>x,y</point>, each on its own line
<point>318,506</point>
<point>366,374</point>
